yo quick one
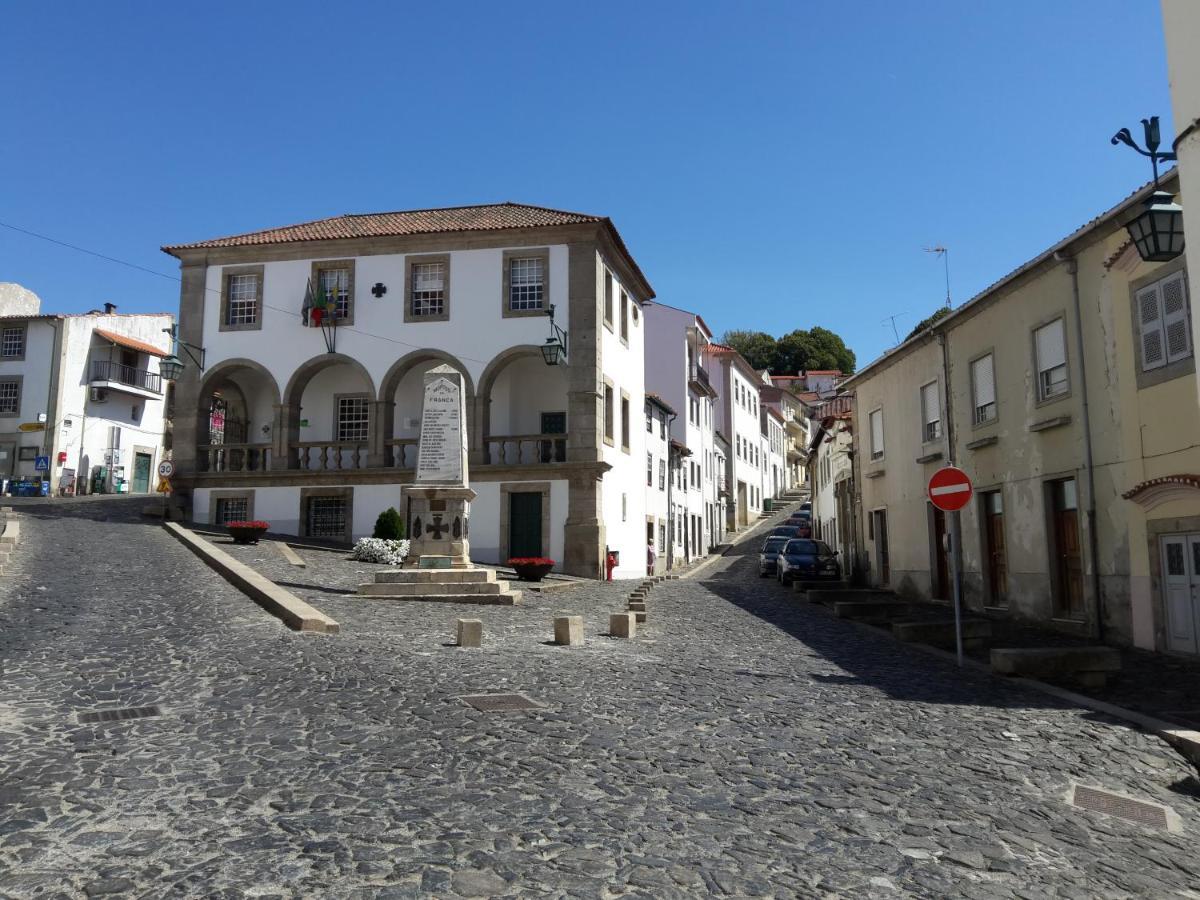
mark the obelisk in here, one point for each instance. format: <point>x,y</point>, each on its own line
<point>440,499</point>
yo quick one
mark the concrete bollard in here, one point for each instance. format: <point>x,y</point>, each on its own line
<point>640,616</point>
<point>636,606</point>
<point>622,625</point>
<point>470,632</point>
<point>568,630</point>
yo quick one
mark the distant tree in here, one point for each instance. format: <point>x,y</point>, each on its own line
<point>757,347</point>
<point>929,321</point>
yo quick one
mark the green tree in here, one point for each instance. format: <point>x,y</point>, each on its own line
<point>757,347</point>
<point>929,321</point>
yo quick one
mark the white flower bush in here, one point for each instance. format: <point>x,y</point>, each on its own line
<point>378,550</point>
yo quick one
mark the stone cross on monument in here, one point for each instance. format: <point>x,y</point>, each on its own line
<point>441,500</point>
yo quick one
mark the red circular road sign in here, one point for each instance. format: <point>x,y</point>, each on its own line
<point>950,489</point>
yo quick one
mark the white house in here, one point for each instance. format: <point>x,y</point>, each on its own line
<point>659,483</point>
<point>775,471</point>
<point>314,426</point>
<point>675,345</point>
<point>737,417</point>
<point>81,399</point>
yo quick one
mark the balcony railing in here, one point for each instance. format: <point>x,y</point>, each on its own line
<point>326,456</point>
<point>235,458</point>
<point>114,372</point>
<point>403,452</point>
<point>526,449</point>
<point>698,375</point>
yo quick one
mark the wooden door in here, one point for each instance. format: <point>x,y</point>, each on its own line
<point>1069,598</point>
<point>940,587</point>
<point>525,524</point>
<point>1180,568</point>
<point>997,556</point>
<point>881,546</point>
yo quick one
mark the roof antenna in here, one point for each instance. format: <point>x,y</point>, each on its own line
<point>944,253</point>
<point>892,320</point>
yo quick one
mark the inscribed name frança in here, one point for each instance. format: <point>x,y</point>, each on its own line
<point>440,450</point>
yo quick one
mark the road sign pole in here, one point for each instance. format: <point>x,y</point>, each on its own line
<point>950,490</point>
<point>956,578</point>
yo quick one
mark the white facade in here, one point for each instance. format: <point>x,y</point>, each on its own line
<point>301,427</point>
<point>659,487</point>
<point>91,382</point>
<point>738,418</point>
<point>775,472</point>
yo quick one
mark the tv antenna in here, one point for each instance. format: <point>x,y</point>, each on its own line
<point>892,320</point>
<point>944,254</point>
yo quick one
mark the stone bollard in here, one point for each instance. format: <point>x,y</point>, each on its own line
<point>636,606</point>
<point>622,625</point>
<point>568,630</point>
<point>470,632</point>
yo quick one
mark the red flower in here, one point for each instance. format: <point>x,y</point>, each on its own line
<point>530,561</point>
<point>264,526</point>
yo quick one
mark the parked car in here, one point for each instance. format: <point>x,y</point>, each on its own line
<point>787,531</point>
<point>806,506</point>
<point>768,555</point>
<point>801,528</point>
<point>809,559</point>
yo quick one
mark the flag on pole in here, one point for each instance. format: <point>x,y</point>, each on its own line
<point>307,305</point>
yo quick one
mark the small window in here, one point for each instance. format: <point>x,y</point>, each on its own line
<point>526,283</point>
<point>608,299</point>
<point>243,300</point>
<point>554,423</point>
<point>649,419</point>
<point>662,474</point>
<point>352,419</point>
<point>662,536</point>
<point>428,297</point>
<point>1164,322</point>
<point>609,413</point>
<point>1051,350</point>
<point>337,283</point>
<point>931,414</point>
<point>624,423</point>
<point>983,386</point>
<point>327,517</point>
<point>624,317</point>
<point>876,419</point>
<point>232,509</point>
<point>10,397</point>
<point>12,344</point>
<point>649,470</point>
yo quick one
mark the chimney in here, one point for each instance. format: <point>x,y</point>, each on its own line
<point>110,308</point>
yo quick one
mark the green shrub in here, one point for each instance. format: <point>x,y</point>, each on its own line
<point>389,525</point>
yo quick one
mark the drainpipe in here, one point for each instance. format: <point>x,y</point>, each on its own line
<point>1093,539</point>
<point>670,484</point>
<point>956,559</point>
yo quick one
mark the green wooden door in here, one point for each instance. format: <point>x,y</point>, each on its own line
<point>141,473</point>
<point>525,524</point>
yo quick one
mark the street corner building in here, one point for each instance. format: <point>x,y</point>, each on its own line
<point>1067,392</point>
<point>83,406</point>
<point>316,339</point>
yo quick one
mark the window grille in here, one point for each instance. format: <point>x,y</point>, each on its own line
<point>1051,360</point>
<point>983,383</point>
<point>526,283</point>
<point>353,418</point>
<point>243,300</point>
<point>336,285</point>
<point>428,289</point>
<point>232,509</point>
<point>10,397</point>
<point>13,342</point>
<point>327,517</point>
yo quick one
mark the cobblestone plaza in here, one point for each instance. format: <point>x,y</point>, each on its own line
<point>743,745</point>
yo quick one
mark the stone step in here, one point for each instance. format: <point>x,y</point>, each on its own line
<point>870,609</point>
<point>802,585</point>
<point>940,633</point>
<point>853,595</point>
<point>508,598</point>
<point>1088,666</point>
<point>433,576</point>
<point>418,588</point>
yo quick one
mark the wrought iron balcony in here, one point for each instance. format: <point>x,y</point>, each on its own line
<point>112,374</point>
<point>698,376</point>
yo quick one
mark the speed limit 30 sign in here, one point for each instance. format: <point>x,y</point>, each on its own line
<point>166,468</point>
<point>950,489</point>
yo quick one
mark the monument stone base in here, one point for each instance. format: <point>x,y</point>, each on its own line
<point>440,522</point>
<point>479,586</point>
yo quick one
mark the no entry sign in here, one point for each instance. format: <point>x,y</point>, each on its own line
<point>950,489</point>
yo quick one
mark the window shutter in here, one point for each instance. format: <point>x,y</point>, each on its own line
<point>1150,318</point>
<point>984,380</point>
<point>1175,323</point>
<point>929,403</point>
<point>1051,350</point>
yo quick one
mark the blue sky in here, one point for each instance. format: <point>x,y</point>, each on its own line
<point>771,165</point>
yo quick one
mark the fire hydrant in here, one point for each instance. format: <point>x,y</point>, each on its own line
<point>612,559</point>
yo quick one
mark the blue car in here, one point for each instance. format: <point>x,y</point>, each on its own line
<point>769,554</point>
<point>807,559</point>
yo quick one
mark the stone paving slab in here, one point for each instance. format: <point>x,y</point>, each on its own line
<point>743,745</point>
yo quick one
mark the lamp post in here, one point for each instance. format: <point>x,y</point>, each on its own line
<point>171,367</point>
<point>554,351</point>
<point>1157,231</point>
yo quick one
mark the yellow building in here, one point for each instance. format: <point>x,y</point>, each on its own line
<point>1073,409</point>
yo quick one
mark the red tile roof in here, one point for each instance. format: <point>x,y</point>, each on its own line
<point>490,217</point>
<point>123,340</point>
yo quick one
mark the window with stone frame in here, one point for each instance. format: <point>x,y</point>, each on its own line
<point>662,537</point>
<point>10,397</point>
<point>526,283</point>
<point>12,342</point>
<point>876,424</point>
<point>428,295</point>
<point>326,518</point>
<point>353,418</point>
<point>243,300</point>
<point>231,509</point>
<point>1163,317</point>
<point>624,317</point>
<point>609,413</point>
<point>649,419</point>
<point>625,423</point>
<point>337,283</point>
<point>983,387</point>
<point>662,474</point>
<point>1050,351</point>
<point>608,299</point>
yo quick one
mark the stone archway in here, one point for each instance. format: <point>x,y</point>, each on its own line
<point>249,407</point>
<point>290,408</point>
<point>501,367</point>
<point>391,383</point>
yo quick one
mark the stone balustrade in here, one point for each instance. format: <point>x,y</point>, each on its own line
<point>235,457</point>
<point>526,449</point>
<point>326,456</point>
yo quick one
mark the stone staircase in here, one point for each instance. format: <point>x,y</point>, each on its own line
<point>478,586</point>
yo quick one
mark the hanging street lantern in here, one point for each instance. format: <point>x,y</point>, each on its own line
<point>171,367</point>
<point>1157,231</point>
<point>554,351</point>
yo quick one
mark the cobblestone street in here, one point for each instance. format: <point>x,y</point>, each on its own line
<point>743,745</point>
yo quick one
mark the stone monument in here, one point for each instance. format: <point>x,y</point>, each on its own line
<point>440,501</point>
<point>439,551</point>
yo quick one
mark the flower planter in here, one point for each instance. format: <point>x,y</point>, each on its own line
<point>532,568</point>
<point>247,532</point>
